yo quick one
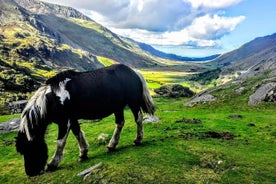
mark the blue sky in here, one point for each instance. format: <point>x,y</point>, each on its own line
<point>192,28</point>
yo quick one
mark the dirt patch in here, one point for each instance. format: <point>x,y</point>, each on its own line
<point>7,142</point>
<point>219,135</point>
<point>189,121</point>
<point>251,124</point>
<point>235,116</point>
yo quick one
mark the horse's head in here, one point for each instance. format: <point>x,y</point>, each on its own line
<point>30,141</point>
<point>35,153</point>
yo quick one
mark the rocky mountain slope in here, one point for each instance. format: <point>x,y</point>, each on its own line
<point>62,36</point>
<point>251,59</point>
<point>248,73</point>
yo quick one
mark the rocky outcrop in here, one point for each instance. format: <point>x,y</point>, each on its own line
<point>205,97</point>
<point>9,126</point>
<point>175,90</point>
<point>266,92</point>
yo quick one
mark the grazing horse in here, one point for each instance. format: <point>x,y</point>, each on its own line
<point>70,96</point>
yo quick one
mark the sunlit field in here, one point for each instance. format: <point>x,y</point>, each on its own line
<point>221,142</point>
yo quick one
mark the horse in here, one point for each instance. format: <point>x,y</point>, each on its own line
<point>70,96</point>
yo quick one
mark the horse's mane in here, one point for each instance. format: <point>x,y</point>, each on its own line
<point>62,76</point>
<point>34,111</point>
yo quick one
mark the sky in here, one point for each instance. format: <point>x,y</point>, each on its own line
<point>193,28</point>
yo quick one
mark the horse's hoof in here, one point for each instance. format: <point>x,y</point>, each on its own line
<point>51,168</point>
<point>110,150</point>
<point>83,158</point>
<point>137,143</point>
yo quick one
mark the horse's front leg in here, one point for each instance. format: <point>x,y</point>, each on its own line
<point>63,130</point>
<point>83,145</point>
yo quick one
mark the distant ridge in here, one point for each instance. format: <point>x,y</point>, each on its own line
<point>155,52</point>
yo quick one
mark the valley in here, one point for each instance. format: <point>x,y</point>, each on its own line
<point>226,140</point>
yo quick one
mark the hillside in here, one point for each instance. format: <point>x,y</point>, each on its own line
<point>251,59</point>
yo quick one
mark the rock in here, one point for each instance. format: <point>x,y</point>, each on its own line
<point>266,92</point>
<point>239,90</point>
<point>202,98</point>
<point>272,74</point>
<point>150,119</point>
<point>90,169</point>
<point>9,126</point>
<point>175,90</point>
<point>102,138</point>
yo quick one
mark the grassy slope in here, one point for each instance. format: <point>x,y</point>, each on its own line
<point>172,152</point>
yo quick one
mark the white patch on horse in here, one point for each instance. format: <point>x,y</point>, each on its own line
<point>62,93</point>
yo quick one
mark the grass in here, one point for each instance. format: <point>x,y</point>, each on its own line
<point>173,151</point>
<point>156,79</point>
<point>216,149</point>
<point>106,61</point>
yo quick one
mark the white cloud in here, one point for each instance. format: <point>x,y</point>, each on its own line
<point>204,31</point>
<point>212,3</point>
<point>213,26</point>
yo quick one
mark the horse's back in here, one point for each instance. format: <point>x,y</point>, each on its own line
<point>101,92</point>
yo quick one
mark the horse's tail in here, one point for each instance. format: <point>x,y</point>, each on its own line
<point>147,104</point>
<point>34,111</point>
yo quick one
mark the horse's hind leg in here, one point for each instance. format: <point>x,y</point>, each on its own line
<point>140,133</point>
<point>120,121</point>
<point>83,145</point>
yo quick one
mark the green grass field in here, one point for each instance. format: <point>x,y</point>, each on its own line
<point>173,151</point>
<point>213,148</point>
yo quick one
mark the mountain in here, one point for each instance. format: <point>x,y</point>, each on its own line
<point>65,37</point>
<point>252,58</point>
<point>255,58</point>
<point>25,36</point>
<point>155,52</point>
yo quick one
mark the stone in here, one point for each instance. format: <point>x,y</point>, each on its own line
<point>175,90</point>
<point>202,98</point>
<point>150,119</point>
<point>239,90</point>
<point>266,92</point>
<point>9,126</point>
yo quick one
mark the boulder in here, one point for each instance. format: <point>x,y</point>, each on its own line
<point>11,125</point>
<point>266,92</point>
<point>150,119</point>
<point>239,90</point>
<point>175,90</point>
<point>272,74</point>
<point>205,97</point>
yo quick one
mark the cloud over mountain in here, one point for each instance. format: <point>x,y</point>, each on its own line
<point>200,23</point>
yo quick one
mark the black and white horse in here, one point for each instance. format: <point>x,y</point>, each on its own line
<point>70,96</point>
